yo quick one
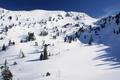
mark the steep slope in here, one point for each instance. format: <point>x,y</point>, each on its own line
<point>106,32</point>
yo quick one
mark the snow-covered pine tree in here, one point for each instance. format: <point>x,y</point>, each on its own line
<point>6,73</point>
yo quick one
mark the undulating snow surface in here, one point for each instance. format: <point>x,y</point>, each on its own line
<point>67,61</point>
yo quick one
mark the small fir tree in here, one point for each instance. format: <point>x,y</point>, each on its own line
<point>90,40</point>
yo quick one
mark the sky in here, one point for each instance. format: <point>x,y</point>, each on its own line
<point>94,8</point>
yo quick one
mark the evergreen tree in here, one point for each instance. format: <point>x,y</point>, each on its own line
<point>10,17</point>
<point>65,39</point>
<point>47,74</point>
<point>3,47</point>
<point>117,19</point>
<point>13,43</point>
<point>31,36</point>
<point>119,29</point>
<point>6,29</point>
<point>117,32</point>
<point>70,39</point>
<point>6,73</point>
<point>85,36</point>
<point>45,51</point>
<point>90,40</point>
<point>41,56</point>
<point>9,42</point>
<point>5,64</point>
<point>44,55</point>
<point>114,31</point>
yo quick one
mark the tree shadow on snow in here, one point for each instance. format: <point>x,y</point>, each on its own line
<point>112,53</point>
<point>33,60</point>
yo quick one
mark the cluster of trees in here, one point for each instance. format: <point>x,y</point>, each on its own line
<point>77,34</point>
<point>43,22</point>
<point>116,31</point>
<point>7,28</point>
<point>68,14</point>
<point>55,32</point>
<point>57,18</point>
<point>69,39</point>
<point>30,37</point>
<point>43,33</point>
<point>73,37</point>
<point>117,18</point>
<point>10,43</point>
<point>66,25</point>
<point>5,71</point>
<point>60,17</point>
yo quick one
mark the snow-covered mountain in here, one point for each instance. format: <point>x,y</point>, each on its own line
<point>79,45</point>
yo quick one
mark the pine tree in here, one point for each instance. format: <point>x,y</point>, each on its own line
<point>90,40</point>
<point>44,55</point>
<point>31,36</point>
<point>41,56</point>
<point>65,39</point>
<point>5,64</point>
<point>6,73</point>
<point>119,29</point>
<point>85,36</point>
<point>13,43</point>
<point>6,29</point>
<point>117,32</point>
<point>45,52</point>
<point>117,19</point>
<point>114,31</point>
<point>10,17</point>
<point>3,47</point>
<point>9,42</point>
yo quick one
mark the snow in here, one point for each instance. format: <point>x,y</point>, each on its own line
<point>69,61</point>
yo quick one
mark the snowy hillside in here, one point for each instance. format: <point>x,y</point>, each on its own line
<point>79,46</point>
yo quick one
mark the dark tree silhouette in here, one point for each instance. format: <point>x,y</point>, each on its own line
<point>3,47</point>
<point>45,51</point>
<point>90,40</point>
<point>31,36</point>
<point>41,57</point>
<point>6,73</point>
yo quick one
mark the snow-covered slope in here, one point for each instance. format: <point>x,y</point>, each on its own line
<point>70,59</point>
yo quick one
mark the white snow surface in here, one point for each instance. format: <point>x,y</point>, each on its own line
<point>69,61</point>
